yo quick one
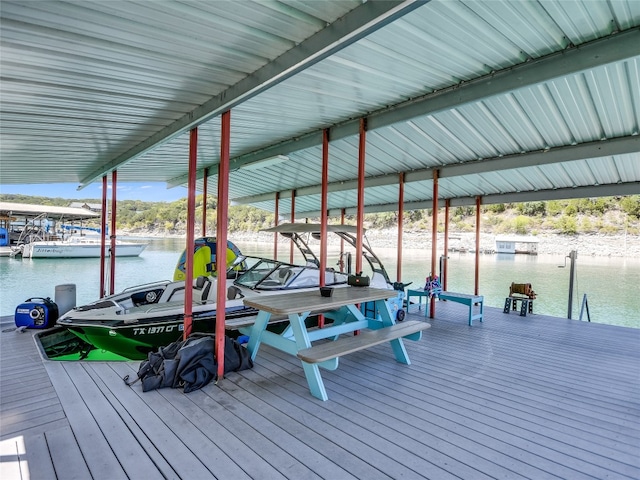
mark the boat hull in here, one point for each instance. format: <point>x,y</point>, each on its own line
<point>62,250</point>
<point>135,341</point>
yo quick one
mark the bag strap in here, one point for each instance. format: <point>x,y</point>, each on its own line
<point>128,383</point>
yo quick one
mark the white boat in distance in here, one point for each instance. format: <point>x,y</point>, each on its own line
<point>43,236</point>
<point>79,247</point>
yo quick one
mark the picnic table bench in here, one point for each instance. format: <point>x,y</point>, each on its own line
<point>248,321</point>
<point>466,299</point>
<point>463,298</point>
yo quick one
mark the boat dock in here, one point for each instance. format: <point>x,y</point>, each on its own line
<point>513,397</point>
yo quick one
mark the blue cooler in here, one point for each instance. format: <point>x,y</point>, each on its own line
<point>36,313</point>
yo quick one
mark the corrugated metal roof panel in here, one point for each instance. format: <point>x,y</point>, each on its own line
<point>418,191</point>
<point>578,174</point>
<point>628,169</point>
<point>97,80</point>
<point>114,73</point>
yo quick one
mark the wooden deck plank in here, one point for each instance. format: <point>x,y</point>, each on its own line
<point>26,394</point>
<point>548,376</point>
<point>280,458</point>
<point>19,375</point>
<point>196,427</point>
<point>525,405</point>
<point>142,443</point>
<point>66,455</point>
<point>349,386</point>
<point>127,452</point>
<point>453,454</point>
<point>515,397</point>
<point>28,402</point>
<point>284,451</point>
<point>83,418</point>
<point>38,457</point>
<point>316,437</point>
<point>49,396</point>
<point>152,424</point>
<point>327,432</point>
<point>494,430</point>
<point>17,419</point>
<point>521,388</point>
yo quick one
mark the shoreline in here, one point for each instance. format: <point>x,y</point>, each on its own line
<point>596,245</point>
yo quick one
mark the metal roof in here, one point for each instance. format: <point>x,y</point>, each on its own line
<point>10,209</point>
<point>509,100</point>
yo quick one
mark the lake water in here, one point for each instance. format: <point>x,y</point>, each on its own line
<point>612,285</point>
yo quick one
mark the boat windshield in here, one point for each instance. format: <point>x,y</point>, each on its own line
<point>263,274</point>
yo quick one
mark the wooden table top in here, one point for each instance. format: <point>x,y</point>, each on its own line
<point>312,301</point>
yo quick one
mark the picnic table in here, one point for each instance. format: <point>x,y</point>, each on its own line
<point>342,309</point>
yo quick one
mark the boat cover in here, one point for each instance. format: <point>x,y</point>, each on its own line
<point>189,364</point>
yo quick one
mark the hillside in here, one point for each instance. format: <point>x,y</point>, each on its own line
<point>598,226</point>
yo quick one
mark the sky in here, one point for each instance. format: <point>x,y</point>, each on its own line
<point>146,191</point>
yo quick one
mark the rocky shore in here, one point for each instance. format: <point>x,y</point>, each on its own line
<point>552,244</point>
<point>591,245</point>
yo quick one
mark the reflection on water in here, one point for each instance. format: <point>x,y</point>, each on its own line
<point>612,284</point>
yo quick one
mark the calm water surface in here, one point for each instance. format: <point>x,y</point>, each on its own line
<point>611,284</point>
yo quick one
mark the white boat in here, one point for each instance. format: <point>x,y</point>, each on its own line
<point>41,240</point>
<point>79,247</point>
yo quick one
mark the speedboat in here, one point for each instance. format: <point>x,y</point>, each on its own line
<point>40,240</point>
<point>79,247</point>
<point>139,320</point>
<point>142,318</point>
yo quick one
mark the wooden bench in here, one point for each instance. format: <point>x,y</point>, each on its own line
<point>466,299</point>
<point>525,307</point>
<point>248,321</point>
<point>366,338</point>
<point>419,294</point>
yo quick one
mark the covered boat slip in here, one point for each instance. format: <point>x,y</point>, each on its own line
<point>513,397</point>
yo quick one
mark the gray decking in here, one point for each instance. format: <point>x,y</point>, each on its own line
<point>514,397</point>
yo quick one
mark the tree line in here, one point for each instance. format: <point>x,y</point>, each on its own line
<point>602,215</point>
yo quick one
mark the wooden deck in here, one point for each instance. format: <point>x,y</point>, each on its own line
<point>514,397</point>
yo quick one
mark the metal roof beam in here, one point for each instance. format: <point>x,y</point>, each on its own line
<point>591,191</point>
<point>594,54</point>
<point>357,24</point>
<point>601,148</point>
<point>629,188</point>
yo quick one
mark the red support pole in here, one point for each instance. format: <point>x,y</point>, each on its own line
<point>477,269</point>
<point>112,253</point>
<point>434,238</point>
<point>445,270</point>
<point>103,229</point>
<point>324,216</point>
<point>400,224</point>
<point>191,216</point>
<point>221,239</point>
<point>360,213</point>
<point>205,181</point>
<point>341,261</point>
<point>293,220</point>
<point>275,234</point>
